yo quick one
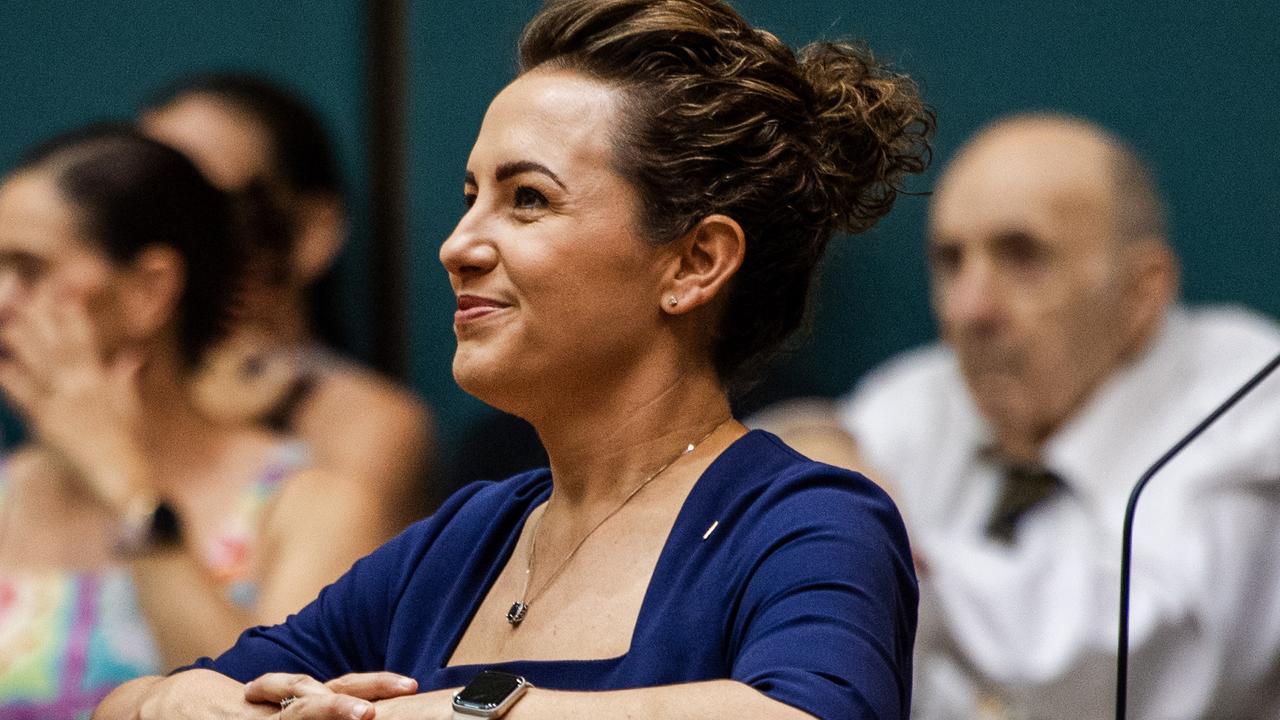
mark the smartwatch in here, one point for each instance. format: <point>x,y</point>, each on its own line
<point>489,695</point>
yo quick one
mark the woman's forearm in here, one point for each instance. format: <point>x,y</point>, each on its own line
<point>188,613</point>
<point>192,695</point>
<point>205,695</point>
<point>691,701</point>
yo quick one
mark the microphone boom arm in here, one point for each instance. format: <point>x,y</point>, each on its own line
<point>1126,544</point>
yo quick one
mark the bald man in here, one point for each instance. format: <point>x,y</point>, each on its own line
<point>1066,368</point>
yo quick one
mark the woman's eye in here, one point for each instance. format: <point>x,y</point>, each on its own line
<point>526,198</point>
<point>468,199</point>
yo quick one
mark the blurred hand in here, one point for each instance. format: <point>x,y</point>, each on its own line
<point>349,697</point>
<point>84,407</point>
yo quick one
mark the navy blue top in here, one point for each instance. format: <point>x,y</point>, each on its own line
<point>805,591</point>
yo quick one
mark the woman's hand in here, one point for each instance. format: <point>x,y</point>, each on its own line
<point>82,405</point>
<point>349,697</point>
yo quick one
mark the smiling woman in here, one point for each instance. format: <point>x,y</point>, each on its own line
<point>645,207</point>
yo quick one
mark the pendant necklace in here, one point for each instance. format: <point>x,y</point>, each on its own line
<point>520,608</point>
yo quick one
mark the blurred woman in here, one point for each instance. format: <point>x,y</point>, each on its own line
<point>646,204</point>
<point>135,534</point>
<point>273,370</point>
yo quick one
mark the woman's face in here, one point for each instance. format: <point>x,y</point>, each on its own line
<point>558,292</point>
<point>45,259</point>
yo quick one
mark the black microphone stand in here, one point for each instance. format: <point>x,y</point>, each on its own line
<point>1126,545</point>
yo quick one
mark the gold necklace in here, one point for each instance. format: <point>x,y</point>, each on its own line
<point>520,608</point>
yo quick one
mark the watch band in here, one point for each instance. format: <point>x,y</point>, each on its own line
<point>149,526</point>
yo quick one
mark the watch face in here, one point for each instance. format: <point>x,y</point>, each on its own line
<point>488,690</point>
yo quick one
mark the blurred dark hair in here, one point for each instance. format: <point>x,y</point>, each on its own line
<point>131,193</point>
<point>302,158</point>
<point>720,117</point>
<point>302,161</point>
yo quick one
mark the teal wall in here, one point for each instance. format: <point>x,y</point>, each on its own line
<point>1191,85</point>
<point>67,62</point>
<point>461,56</point>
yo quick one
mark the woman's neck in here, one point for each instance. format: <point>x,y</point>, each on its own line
<point>173,434</point>
<point>600,450</point>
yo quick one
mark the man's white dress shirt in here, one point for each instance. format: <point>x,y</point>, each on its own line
<point>1028,630</point>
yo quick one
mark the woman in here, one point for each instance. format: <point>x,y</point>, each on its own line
<point>135,535</point>
<point>246,133</point>
<point>646,203</point>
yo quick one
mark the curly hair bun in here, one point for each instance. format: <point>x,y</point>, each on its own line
<point>872,129</point>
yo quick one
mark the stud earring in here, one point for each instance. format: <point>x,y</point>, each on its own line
<point>673,301</point>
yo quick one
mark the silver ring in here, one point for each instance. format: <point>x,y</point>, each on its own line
<point>286,702</point>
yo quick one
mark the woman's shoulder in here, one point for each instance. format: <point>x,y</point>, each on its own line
<point>474,515</point>
<point>762,477</point>
<point>473,509</point>
<point>389,442</point>
<point>477,501</point>
<point>345,384</point>
<point>761,461</point>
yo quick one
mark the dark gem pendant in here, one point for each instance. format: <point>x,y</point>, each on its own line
<point>517,612</point>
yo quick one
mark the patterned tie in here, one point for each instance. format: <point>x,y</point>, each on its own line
<point>1025,486</point>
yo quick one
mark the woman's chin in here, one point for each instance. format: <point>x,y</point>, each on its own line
<point>485,378</point>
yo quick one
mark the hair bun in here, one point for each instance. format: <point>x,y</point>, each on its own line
<point>872,129</point>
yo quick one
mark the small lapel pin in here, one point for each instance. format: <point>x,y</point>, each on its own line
<point>710,530</point>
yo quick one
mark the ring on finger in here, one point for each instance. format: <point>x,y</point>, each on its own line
<point>286,702</point>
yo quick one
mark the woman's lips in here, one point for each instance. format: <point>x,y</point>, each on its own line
<point>474,307</point>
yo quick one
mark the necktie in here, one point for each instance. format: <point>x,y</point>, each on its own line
<point>1025,486</point>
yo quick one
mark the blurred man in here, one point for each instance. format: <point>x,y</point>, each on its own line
<point>1065,370</point>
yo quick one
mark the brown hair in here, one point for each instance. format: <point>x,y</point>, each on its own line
<point>721,117</point>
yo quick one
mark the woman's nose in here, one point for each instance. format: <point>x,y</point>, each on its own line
<point>469,249</point>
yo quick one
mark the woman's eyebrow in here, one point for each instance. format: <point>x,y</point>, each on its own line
<point>511,169</point>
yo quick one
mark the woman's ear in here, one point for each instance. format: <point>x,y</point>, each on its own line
<point>322,226</point>
<point>706,258</point>
<point>152,286</point>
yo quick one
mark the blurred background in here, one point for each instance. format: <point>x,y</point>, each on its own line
<point>403,85</point>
